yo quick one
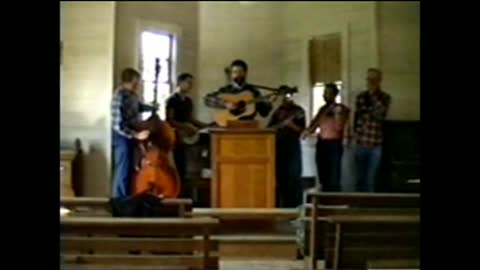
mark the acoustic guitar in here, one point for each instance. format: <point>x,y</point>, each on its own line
<point>236,106</point>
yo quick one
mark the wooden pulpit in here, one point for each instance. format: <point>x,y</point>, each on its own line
<point>243,168</point>
<point>66,159</point>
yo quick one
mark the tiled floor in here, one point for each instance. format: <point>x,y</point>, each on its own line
<point>261,265</point>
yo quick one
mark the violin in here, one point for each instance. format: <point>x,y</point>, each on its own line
<point>157,173</point>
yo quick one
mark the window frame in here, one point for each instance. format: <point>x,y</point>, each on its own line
<point>174,31</point>
<point>170,60</point>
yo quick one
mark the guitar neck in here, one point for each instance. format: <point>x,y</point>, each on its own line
<point>220,103</point>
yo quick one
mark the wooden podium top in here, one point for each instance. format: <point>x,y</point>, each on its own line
<point>67,155</point>
<point>242,130</point>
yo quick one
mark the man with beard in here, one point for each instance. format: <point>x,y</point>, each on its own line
<point>238,76</point>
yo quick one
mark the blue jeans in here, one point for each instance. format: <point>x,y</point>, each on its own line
<point>328,157</point>
<point>123,165</point>
<point>367,163</point>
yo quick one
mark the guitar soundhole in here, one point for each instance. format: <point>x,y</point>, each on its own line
<point>239,108</point>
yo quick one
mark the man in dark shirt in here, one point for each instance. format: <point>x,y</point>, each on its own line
<point>371,109</point>
<point>238,75</point>
<point>126,108</point>
<point>289,120</point>
<point>180,116</point>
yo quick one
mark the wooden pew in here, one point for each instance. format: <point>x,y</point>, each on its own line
<point>393,264</point>
<point>385,236</point>
<point>243,232</point>
<point>94,243</point>
<point>327,205</point>
<point>254,233</point>
<point>97,206</point>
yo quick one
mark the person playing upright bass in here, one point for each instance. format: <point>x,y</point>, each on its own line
<point>126,108</point>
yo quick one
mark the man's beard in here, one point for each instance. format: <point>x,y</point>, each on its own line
<point>239,80</point>
<point>329,102</point>
<point>288,103</point>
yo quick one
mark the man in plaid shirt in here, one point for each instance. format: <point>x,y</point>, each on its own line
<point>371,109</point>
<point>126,108</point>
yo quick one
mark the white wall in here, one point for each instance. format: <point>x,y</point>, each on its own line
<point>304,20</point>
<point>180,17</point>
<point>87,70</point>
<point>399,50</point>
<point>251,31</point>
<point>356,23</point>
<point>271,36</point>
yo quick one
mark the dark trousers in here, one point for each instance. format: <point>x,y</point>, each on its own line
<point>123,165</point>
<point>329,163</point>
<point>180,157</point>
<point>289,172</point>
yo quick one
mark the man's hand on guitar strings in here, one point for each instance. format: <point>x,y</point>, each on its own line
<point>230,105</point>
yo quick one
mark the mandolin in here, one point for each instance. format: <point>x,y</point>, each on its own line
<point>192,139</point>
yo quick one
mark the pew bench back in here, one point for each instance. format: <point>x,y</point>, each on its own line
<point>91,242</point>
<point>99,206</point>
<point>366,221</point>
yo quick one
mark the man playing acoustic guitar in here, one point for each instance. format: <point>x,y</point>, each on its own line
<point>227,97</point>
<point>180,116</point>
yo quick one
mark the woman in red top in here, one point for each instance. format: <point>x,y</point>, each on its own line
<point>331,119</point>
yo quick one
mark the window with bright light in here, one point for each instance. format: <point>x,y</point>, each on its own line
<point>318,100</point>
<point>157,45</point>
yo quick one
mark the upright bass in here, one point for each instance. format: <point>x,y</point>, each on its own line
<point>157,173</point>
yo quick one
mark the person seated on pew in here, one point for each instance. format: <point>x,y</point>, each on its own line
<point>238,84</point>
<point>180,116</point>
<point>289,120</point>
